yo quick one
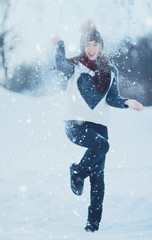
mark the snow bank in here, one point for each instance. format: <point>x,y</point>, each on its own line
<point>36,201</point>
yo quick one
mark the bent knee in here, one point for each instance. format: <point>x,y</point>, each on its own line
<point>107,146</point>
<point>103,144</point>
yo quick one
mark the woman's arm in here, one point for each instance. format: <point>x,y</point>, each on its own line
<point>113,97</point>
<point>115,100</point>
<point>62,63</point>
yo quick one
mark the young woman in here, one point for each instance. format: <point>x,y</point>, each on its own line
<point>92,87</point>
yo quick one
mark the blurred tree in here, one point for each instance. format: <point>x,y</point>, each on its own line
<point>25,77</point>
<point>4,6</point>
<point>134,62</point>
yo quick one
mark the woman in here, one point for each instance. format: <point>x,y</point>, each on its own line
<point>92,87</point>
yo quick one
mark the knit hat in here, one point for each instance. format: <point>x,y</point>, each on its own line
<point>89,34</point>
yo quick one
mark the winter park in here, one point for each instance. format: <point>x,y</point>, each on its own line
<point>36,199</point>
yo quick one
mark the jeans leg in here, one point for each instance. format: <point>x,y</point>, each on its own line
<point>85,136</point>
<point>97,185</point>
<point>94,137</point>
<point>96,192</point>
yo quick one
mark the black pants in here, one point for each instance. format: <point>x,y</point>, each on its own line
<point>93,137</point>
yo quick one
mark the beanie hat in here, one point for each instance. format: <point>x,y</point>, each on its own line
<point>89,34</point>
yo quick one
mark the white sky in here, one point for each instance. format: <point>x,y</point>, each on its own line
<point>37,21</point>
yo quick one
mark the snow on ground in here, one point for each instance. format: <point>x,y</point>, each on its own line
<point>36,202</point>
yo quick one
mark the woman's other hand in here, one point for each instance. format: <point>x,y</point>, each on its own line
<point>56,39</point>
<point>135,105</point>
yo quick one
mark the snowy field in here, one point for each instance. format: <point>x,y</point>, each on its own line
<point>36,202</point>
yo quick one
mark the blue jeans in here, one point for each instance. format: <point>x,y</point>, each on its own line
<point>94,137</point>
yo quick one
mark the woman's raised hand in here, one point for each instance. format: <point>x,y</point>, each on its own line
<point>56,39</point>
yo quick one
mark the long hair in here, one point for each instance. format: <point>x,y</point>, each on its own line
<point>101,68</point>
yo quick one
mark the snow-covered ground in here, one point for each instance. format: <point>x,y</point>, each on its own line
<point>36,202</point>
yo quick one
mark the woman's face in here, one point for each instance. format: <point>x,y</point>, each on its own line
<point>92,50</point>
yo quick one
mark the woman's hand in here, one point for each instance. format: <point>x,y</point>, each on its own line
<point>56,39</point>
<point>135,105</point>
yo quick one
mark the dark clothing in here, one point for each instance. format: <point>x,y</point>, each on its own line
<point>63,65</point>
<point>86,133</point>
<point>94,137</point>
<point>101,68</point>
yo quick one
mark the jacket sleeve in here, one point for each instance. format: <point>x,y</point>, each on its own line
<point>62,63</point>
<point>113,97</point>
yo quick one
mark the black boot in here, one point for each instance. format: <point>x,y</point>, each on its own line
<point>91,227</point>
<point>94,218</point>
<point>77,176</point>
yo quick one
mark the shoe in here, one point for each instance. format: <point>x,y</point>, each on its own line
<point>77,182</point>
<point>94,218</point>
<point>92,227</point>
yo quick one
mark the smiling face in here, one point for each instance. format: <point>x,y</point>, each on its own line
<point>92,50</point>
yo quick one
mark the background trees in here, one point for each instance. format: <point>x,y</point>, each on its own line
<point>134,61</point>
<point>26,53</point>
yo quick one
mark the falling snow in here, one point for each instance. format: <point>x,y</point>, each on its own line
<point>36,200</point>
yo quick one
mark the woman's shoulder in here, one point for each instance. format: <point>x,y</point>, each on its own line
<point>74,60</point>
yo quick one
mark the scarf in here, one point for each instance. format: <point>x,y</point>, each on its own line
<point>101,68</point>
